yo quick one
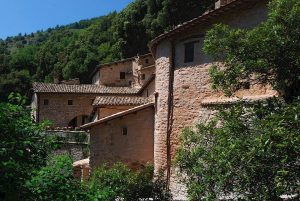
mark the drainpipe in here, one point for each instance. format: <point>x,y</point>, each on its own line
<point>38,108</point>
<point>170,111</point>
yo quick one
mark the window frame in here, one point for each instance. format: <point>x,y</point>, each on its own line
<point>189,51</point>
<point>124,131</point>
<point>70,102</point>
<point>46,102</point>
<point>122,75</point>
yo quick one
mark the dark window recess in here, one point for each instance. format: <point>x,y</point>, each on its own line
<point>70,102</point>
<point>189,52</point>
<point>130,83</point>
<point>147,61</point>
<point>143,76</point>
<point>245,85</point>
<point>122,75</point>
<point>124,130</point>
<point>46,102</point>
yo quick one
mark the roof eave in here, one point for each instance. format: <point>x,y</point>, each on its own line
<point>117,115</point>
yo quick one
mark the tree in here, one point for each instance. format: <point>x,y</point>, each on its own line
<point>23,149</point>
<point>268,54</point>
<point>55,182</point>
<point>246,154</point>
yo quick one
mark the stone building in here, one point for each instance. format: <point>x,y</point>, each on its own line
<point>123,137</point>
<point>71,104</point>
<point>183,92</point>
<point>141,104</point>
<point>131,72</point>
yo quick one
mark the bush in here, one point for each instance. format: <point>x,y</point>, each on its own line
<point>23,149</point>
<point>249,154</point>
<point>110,183</point>
<point>55,181</point>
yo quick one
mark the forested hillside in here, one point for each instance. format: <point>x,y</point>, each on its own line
<point>74,50</point>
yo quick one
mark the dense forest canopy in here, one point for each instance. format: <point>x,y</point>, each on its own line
<point>74,50</point>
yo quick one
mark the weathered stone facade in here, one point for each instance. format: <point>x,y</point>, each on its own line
<point>124,137</point>
<point>131,72</point>
<point>60,113</point>
<point>182,86</point>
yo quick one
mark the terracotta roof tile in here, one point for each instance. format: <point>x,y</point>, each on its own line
<point>81,89</point>
<point>233,100</point>
<point>121,100</point>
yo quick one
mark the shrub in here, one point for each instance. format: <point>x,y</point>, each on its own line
<point>250,154</point>
<point>110,183</point>
<point>23,149</point>
<point>55,181</point>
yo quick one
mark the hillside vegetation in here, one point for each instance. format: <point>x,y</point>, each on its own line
<point>74,50</point>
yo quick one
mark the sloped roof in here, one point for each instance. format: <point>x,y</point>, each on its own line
<point>201,20</point>
<point>81,89</point>
<point>210,101</point>
<point>84,162</point>
<point>121,100</point>
<point>117,115</point>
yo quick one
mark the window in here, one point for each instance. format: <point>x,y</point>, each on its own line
<point>124,130</point>
<point>143,76</point>
<point>70,102</point>
<point>46,102</point>
<point>122,75</point>
<point>147,61</point>
<point>130,83</point>
<point>189,52</point>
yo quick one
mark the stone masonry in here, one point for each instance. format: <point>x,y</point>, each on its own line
<point>182,89</point>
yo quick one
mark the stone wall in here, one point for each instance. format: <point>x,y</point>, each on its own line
<point>108,144</point>
<point>58,110</point>
<point>191,85</point>
<point>74,143</point>
<point>149,90</point>
<point>140,66</point>
<point>162,63</point>
<point>110,74</point>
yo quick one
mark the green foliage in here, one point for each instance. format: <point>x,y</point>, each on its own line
<point>268,53</point>
<point>22,149</point>
<point>250,154</point>
<point>55,182</point>
<point>110,183</point>
<point>75,50</point>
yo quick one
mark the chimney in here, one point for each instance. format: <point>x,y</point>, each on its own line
<point>56,80</point>
<point>221,3</point>
<point>75,81</point>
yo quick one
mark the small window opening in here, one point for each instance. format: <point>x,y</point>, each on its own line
<point>46,102</point>
<point>122,75</point>
<point>143,77</point>
<point>130,83</point>
<point>70,102</point>
<point>124,130</point>
<point>147,61</point>
<point>246,85</point>
<point>189,52</point>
